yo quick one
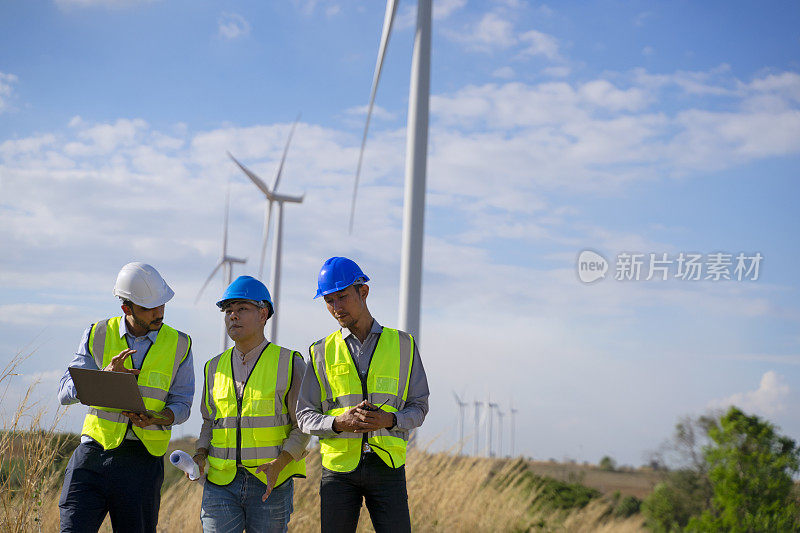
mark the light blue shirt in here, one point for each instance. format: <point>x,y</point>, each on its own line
<point>181,391</point>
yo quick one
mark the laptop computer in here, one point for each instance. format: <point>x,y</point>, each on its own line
<point>115,390</point>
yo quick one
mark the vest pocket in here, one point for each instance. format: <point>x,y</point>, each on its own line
<point>262,407</point>
<point>340,376</point>
<point>158,380</point>
<point>387,384</point>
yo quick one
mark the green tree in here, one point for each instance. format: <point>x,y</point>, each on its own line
<point>750,468</point>
<point>684,491</point>
<point>683,494</point>
<point>607,463</point>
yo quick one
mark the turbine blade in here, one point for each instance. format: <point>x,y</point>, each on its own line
<point>255,179</point>
<point>208,280</point>
<point>458,400</point>
<point>285,151</point>
<point>388,20</point>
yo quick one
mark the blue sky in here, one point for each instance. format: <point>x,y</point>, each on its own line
<point>617,127</point>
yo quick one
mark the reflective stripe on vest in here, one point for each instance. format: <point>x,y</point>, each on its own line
<point>263,423</point>
<point>108,426</point>
<point>341,389</point>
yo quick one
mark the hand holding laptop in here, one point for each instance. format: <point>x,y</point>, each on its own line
<point>164,418</point>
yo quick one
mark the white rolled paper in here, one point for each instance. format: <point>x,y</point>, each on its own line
<point>182,460</point>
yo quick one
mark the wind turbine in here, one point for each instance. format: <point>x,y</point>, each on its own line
<point>226,263</point>
<point>461,406</point>
<point>500,415</point>
<point>477,425</point>
<point>489,433</point>
<point>513,428</point>
<point>416,159</point>
<point>277,243</point>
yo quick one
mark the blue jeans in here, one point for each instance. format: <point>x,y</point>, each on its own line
<point>237,506</point>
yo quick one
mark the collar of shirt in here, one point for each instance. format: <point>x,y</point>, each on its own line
<point>124,331</point>
<point>252,354</point>
<point>376,328</point>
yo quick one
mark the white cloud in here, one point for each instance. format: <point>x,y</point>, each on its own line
<point>378,112</point>
<point>540,44</point>
<point>34,314</point>
<point>504,73</point>
<point>307,7</point>
<point>769,399</point>
<point>604,94</point>
<point>444,8</point>
<point>7,82</point>
<point>490,33</point>
<point>233,26</point>
<point>495,31</point>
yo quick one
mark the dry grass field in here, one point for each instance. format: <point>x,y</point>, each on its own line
<point>446,493</point>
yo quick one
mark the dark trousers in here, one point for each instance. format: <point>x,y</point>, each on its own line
<point>125,482</point>
<point>383,488</point>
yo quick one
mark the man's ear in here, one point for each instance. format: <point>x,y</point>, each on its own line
<point>364,291</point>
<point>126,309</point>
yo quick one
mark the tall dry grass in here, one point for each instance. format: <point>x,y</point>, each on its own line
<point>446,493</point>
<point>30,453</point>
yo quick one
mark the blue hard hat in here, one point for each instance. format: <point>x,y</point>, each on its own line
<point>247,288</point>
<point>338,273</point>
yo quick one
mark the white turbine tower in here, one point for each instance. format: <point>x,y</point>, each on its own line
<point>416,159</point>
<point>513,429</point>
<point>491,407</point>
<point>477,405</point>
<point>226,263</point>
<point>461,406</point>
<point>277,243</point>
<point>500,415</point>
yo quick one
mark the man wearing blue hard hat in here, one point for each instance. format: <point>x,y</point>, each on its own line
<point>364,390</point>
<point>250,437</point>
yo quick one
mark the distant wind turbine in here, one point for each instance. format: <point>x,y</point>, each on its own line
<point>416,159</point>
<point>226,263</point>
<point>277,243</point>
<point>461,406</point>
<point>513,429</point>
<point>500,415</point>
<point>491,407</point>
<point>477,405</point>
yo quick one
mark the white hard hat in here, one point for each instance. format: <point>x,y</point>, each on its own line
<point>143,285</point>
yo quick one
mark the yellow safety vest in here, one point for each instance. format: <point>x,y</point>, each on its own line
<point>258,425</point>
<point>108,426</point>
<point>341,389</point>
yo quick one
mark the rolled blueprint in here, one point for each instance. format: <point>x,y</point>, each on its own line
<point>182,460</point>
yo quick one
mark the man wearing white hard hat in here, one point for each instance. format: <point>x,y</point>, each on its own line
<point>118,468</point>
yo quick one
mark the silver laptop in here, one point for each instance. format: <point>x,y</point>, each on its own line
<point>116,390</point>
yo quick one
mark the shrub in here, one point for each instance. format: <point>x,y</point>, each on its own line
<point>608,464</point>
